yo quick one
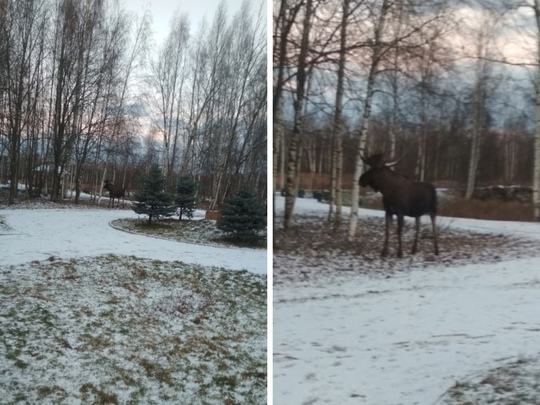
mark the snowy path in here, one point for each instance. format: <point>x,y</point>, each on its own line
<point>70,233</point>
<point>406,339</point>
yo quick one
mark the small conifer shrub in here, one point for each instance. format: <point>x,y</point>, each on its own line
<point>185,196</point>
<point>243,216</point>
<point>152,199</point>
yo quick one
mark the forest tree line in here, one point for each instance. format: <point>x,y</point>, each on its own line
<point>449,86</point>
<point>84,98</point>
<point>506,156</point>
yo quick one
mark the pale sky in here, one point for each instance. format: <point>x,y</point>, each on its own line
<point>163,10</point>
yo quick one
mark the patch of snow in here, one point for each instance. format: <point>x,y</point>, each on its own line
<point>71,233</point>
<point>404,339</point>
<point>7,185</point>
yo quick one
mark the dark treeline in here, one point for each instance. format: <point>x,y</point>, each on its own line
<point>84,97</point>
<point>506,158</point>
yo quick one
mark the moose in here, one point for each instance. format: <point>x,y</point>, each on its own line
<point>114,192</point>
<point>401,197</point>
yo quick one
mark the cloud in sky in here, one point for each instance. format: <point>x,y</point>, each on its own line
<point>163,11</point>
<point>510,35</point>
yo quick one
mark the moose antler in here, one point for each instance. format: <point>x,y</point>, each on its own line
<point>395,162</point>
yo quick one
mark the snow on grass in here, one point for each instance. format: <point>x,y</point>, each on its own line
<point>204,232</point>
<point>82,320</point>
<point>114,329</point>
<point>303,252</point>
<point>515,381</point>
<point>352,328</point>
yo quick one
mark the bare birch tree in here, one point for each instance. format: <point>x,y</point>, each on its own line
<point>283,23</point>
<point>337,157</point>
<point>301,81</point>
<point>167,80</point>
<point>21,30</point>
<point>377,54</point>
<point>483,66</point>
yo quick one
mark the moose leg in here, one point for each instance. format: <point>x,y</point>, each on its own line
<point>399,231</point>
<point>388,223</point>
<point>434,226</point>
<point>417,230</point>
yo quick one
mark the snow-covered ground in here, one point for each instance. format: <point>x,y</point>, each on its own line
<point>70,233</point>
<point>409,337</point>
<point>92,314</point>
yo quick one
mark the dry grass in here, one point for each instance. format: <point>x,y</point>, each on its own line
<point>492,209</point>
<point>129,330</point>
<point>202,232</point>
<point>311,248</point>
<point>459,207</point>
<point>513,383</point>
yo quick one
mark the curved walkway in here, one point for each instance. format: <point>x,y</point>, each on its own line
<point>71,233</point>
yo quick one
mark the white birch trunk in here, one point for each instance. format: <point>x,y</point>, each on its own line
<point>475,141</point>
<point>479,108</point>
<point>278,139</point>
<point>536,164</point>
<point>292,162</point>
<point>362,138</point>
<point>283,160</point>
<point>337,159</point>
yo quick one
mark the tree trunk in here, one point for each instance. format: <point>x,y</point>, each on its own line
<point>536,164</point>
<point>301,80</point>
<point>362,138</point>
<point>479,97</point>
<point>337,158</point>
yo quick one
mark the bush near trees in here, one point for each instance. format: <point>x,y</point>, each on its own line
<point>152,200</point>
<point>243,216</point>
<point>186,189</point>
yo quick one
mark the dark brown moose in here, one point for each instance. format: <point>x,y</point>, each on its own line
<point>114,192</point>
<point>401,197</point>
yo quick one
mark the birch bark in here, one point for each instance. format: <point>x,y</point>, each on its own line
<point>337,158</point>
<point>301,80</point>
<point>536,164</point>
<point>362,136</point>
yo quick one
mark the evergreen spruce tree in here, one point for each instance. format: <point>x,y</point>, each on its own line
<point>243,216</point>
<point>185,197</point>
<point>152,200</point>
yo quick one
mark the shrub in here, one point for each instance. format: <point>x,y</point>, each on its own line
<point>152,200</point>
<point>185,197</point>
<point>243,216</point>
